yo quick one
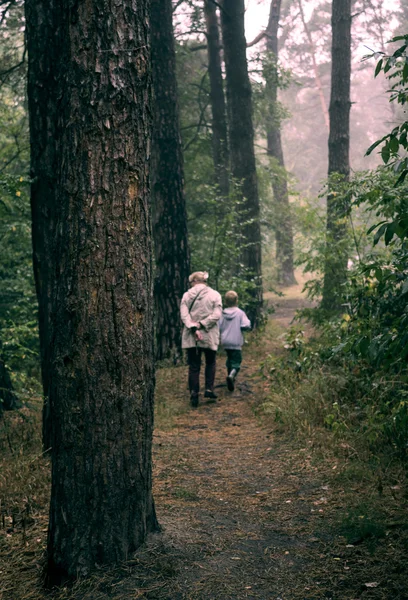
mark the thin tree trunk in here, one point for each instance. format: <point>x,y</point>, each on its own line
<point>42,97</point>
<point>315,66</point>
<point>8,399</point>
<point>218,108</point>
<point>339,142</point>
<point>241,135</point>
<point>283,224</point>
<point>101,379</point>
<point>169,206</point>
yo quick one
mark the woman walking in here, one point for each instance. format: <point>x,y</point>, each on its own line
<point>200,310</point>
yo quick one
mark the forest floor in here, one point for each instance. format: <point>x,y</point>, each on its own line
<point>247,510</point>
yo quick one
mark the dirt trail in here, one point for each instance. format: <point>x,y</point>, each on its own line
<point>246,512</point>
<point>238,511</point>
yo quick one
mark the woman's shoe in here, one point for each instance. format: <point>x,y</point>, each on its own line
<point>194,399</point>
<point>210,394</point>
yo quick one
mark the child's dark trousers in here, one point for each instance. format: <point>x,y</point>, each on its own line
<point>234,360</point>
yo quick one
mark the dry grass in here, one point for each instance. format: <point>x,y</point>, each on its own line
<point>246,511</point>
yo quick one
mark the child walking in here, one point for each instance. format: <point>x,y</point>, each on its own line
<point>232,323</point>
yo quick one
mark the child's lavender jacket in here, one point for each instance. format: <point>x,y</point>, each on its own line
<point>231,324</point>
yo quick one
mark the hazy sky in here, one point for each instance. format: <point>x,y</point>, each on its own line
<point>257,13</point>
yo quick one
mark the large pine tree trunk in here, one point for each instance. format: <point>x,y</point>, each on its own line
<point>218,108</point>
<point>42,95</point>
<point>169,207</point>
<point>101,379</point>
<point>339,143</point>
<point>241,134</point>
<point>283,224</point>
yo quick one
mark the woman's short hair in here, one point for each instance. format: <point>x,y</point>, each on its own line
<point>231,298</point>
<point>198,276</point>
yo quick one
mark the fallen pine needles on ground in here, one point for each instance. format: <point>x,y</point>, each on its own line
<point>254,503</point>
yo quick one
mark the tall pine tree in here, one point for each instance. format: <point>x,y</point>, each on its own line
<point>101,367</point>
<point>335,273</point>
<point>218,107</point>
<point>283,222</point>
<point>43,34</point>
<point>169,207</point>
<point>241,135</point>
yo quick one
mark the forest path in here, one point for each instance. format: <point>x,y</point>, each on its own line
<point>247,510</point>
<point>239,506</point>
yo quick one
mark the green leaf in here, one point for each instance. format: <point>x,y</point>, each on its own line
<point>378,67</point>
<point>375,226</point>
<point>404,289</point>
<point>377,143</point>
<point>393,145</point>
<point>402,177</point>
<point>380,233</point>
<point>399,38</point>
<point>389,233</point>
<point>387,67</point>
<point>385,153</point>
<point>400,51</point>
<point>363,345</point>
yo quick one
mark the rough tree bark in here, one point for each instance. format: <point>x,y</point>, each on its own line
<point>335,274</point>
<point>283,223</point>
<point>169,206</point>
<point>217,98</point>
<point>42,95</point>
<point>241,135</point>
<point>101,379</point>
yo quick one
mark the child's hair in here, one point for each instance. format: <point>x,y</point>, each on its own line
<point>231,298</point>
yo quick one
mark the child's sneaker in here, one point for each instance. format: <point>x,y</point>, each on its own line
<point>230,380</point>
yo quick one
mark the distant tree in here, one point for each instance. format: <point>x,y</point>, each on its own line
<point>283,221</point>
<point>218,107</point>
<point>18,306</point>
<point>312,50</point>
<point>169,207</point>
<point>18,331</point>
<point>13,67</point>
<point>241,136</point>
<point>101,378</point>
<point>335,272</point>
<point>42,91</point>
<point>8,398</point>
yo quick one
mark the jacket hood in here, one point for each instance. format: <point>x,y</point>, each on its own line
<point>229,313</point>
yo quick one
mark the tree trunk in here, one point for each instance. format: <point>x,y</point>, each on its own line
<point>335,274</point>
<point>283,224</point>
<point>218,108</point>
<point>318,81</point>
<point>101,379</point>
<point>42,97</point>
<point>169,206</point>
<point>241,134</point>
<point>8,399</point>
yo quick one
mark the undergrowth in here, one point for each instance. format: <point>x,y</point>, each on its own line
<point>310,389</point>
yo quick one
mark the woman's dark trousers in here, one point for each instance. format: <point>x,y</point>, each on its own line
<point>194,364</point>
